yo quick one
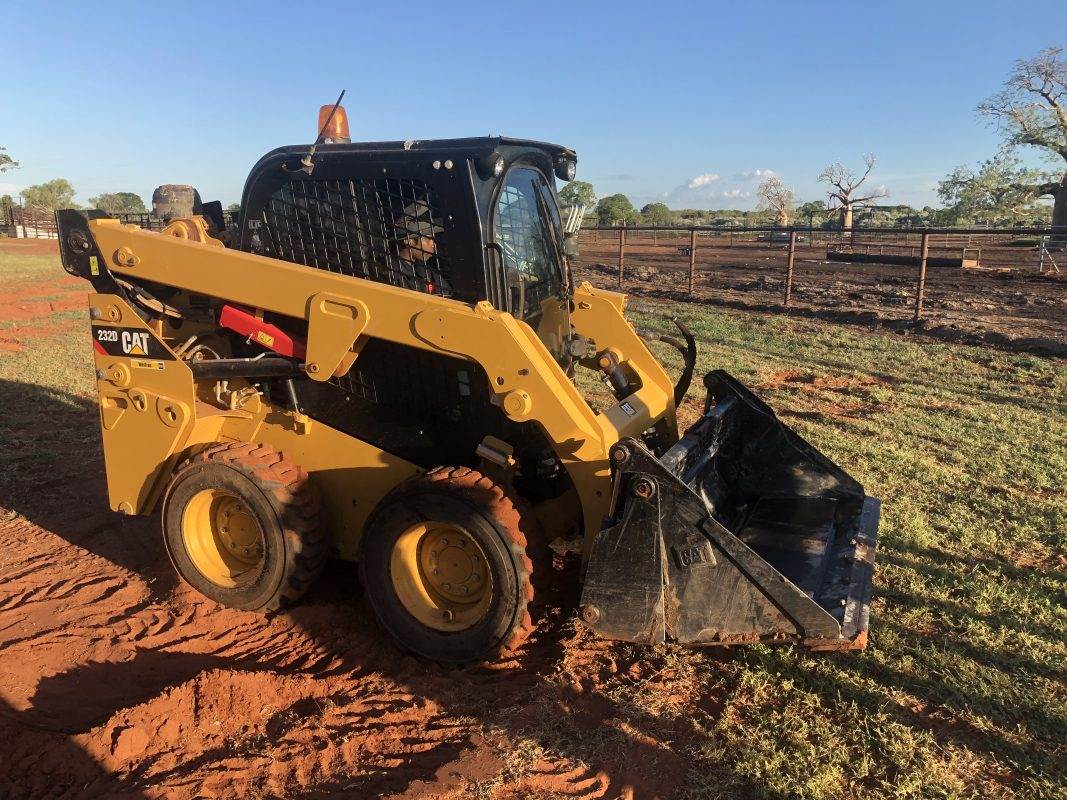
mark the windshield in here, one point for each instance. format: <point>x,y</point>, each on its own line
<point>528,233</point>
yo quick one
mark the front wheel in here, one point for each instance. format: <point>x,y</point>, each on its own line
<point>444,565</point>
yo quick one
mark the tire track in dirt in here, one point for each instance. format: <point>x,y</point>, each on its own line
<point>168,694</point>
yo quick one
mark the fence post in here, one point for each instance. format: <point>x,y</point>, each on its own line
<point>622,252</point>
<point>789,266</point>
<point>692,258</point>
<point>924,251</point>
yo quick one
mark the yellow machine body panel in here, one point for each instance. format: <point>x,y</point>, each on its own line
<point>527,383</point>
<point>150,416</point>
<point>352,475</point>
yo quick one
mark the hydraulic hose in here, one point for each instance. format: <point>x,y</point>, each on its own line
<point>688,351</point>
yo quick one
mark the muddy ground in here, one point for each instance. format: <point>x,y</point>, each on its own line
<point>1007,305</point>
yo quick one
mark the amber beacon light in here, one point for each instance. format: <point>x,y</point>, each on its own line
<point>335,128</point>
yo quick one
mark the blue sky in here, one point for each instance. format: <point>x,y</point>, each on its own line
<point>676,102</point>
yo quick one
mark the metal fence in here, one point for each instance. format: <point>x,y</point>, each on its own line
<point>29,223</point>
<point>974,284</point>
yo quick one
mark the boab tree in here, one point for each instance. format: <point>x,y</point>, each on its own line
<point>999,191</point>
<point>1031,111</point>
<point>775,197</point>
<point>844,193</point>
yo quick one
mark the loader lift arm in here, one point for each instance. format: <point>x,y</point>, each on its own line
<point>342,312</point>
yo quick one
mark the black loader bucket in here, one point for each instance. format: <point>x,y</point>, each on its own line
<point>742,532</point>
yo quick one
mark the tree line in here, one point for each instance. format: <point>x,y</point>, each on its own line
<point>1029,112</point>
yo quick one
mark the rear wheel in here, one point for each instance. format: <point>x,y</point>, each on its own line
<point>445,567</point>
<point>241,525</point>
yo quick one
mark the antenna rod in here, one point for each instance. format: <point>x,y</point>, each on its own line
<point>306,163</point>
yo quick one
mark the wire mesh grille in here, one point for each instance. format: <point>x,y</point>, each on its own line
<point>381,229</point>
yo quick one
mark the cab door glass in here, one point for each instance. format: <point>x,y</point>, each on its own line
<point>528,234</point>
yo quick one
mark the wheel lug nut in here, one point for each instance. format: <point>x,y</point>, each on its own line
<point>448,586</point>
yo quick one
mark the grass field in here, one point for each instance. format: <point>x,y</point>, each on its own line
<point>961,692</point>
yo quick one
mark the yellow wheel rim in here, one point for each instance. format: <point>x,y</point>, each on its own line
<point>441,576</point>
<point>223,538</point>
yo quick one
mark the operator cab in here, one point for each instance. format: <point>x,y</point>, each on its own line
<point>470,219</point>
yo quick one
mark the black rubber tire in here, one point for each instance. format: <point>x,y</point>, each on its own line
<point>503,527</point>
<point>285,504</point>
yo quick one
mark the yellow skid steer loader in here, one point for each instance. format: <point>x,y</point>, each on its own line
<point>376,362</point>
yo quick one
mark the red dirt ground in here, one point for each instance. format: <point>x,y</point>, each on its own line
<point>117,680</point>
<point>120,681</point>
<point>23,308</point>
<point>30,247</point>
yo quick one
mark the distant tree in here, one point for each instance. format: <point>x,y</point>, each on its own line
<point>934,217</point>
<point>615,209</point>
<point>1000,191</point>
<point>119,203</point>
<point>6,161</point>
<point>776,198</point>
<point>7,203</point>
<point>50,196</point>
<point>844,190</point>
<point>1031,111</point>
<point>656,214</point>
<point>812,210</point>
<point>233,208</point>
<point>578,193</point>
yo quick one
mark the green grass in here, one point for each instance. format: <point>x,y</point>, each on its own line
<point>16,266</point>
<point>961,692</point>
<point>47,388</point>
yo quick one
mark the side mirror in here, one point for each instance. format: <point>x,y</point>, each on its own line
<point>570,245</point>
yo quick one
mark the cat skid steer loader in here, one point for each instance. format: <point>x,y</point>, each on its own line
<point>376,362</point>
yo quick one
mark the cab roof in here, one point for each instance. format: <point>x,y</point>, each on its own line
<point>473,146</point>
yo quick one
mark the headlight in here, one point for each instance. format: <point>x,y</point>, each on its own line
<point>566,169</point>
<point>490,166</point>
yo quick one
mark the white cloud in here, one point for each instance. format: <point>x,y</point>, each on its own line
<point>700,181</point>
<point>9,188</point>
<point>733,194</point>
<point>756,173</point>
